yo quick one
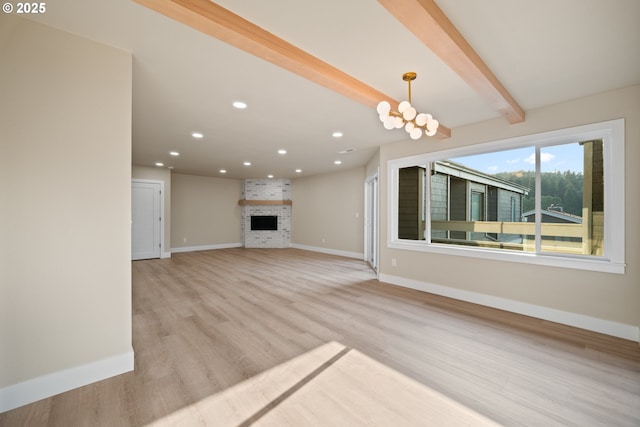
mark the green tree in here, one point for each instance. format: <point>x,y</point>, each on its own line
<point>558,188</point>
<point>572,200</point>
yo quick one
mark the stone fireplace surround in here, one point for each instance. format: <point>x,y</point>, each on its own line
<point>266,197</point>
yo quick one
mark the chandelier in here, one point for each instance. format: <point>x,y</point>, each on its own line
<point>406,116</point>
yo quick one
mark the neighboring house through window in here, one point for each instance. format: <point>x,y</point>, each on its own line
<point>550,195</point>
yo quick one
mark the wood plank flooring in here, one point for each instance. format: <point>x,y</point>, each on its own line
<point>289,337</point>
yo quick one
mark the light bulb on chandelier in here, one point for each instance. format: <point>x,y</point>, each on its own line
<point>407,116</point>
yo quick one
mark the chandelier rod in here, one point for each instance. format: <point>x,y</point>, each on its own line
<point>409,77</point>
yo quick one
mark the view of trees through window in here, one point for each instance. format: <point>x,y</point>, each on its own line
<point>489,200</point>
<point>559,188</point>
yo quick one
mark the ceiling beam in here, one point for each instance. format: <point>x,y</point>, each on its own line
<point>224,25</point>
<point>431,26</point>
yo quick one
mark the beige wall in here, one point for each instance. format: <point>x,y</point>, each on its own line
<point>204,211</point>
<point>611,297</point>
<point>164,175</point>
<point>65,201</point>
<point>329,207</point>
<point>373,165</point>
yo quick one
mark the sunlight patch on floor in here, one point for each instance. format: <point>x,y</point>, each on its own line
<point>329,385</point>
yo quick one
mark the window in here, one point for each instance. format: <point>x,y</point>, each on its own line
<point>555,199</point>
<point>477,206</point>
<point>514,210</point>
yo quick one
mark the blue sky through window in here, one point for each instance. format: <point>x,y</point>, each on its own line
<point>554,158</point>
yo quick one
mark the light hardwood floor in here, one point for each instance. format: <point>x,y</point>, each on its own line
<point>288,337</point>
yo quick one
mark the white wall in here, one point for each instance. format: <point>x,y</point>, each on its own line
<point>204,212</point>
<point>65,202</point>
<point>328,212</point>
<point>593,299</point>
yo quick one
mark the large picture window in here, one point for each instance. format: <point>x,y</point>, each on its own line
<point>555,198</point>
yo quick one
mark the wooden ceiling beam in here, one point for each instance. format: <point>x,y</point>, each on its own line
<point>222,24</point>
<point>431,26</point>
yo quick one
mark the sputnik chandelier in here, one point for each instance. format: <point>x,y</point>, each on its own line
<point>407,116</point>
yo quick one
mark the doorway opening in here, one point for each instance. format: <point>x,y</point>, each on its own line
<point>371,221</point>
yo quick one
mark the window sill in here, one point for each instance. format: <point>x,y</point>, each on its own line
<point>602,265</point>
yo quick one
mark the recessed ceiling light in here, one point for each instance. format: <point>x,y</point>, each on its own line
<point>282,151</point>
<point>174,153</point>
<point>223,171</point>
<point>337,134</point>
<point>159,164</point>
<point>240,105</point>
<point>269,176</point>
<point>298,170</point>
<point>247,163</point>
<point>197,135</point>
<point>337,162</point>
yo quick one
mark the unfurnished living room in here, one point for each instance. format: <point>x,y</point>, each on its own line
<point>337,213</point>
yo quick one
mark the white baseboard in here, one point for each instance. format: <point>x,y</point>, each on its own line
<point>206,247</point>
<point>589,323</point>
<point>328,251</point>
<point>293,245</point>
<point>165,255</point>
<point>35,389</point>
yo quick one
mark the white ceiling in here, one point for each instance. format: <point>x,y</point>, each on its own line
<point>543,52</point>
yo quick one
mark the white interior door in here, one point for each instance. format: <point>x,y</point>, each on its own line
<point>146,220</point>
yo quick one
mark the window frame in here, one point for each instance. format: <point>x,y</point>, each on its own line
<point>613,260</point>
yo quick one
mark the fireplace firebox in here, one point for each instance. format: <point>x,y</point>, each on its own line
<point>264,222</point>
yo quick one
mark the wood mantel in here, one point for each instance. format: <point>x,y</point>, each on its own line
<point>264,202</point>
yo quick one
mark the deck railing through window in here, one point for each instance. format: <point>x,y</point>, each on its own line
<point>585,238</point>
